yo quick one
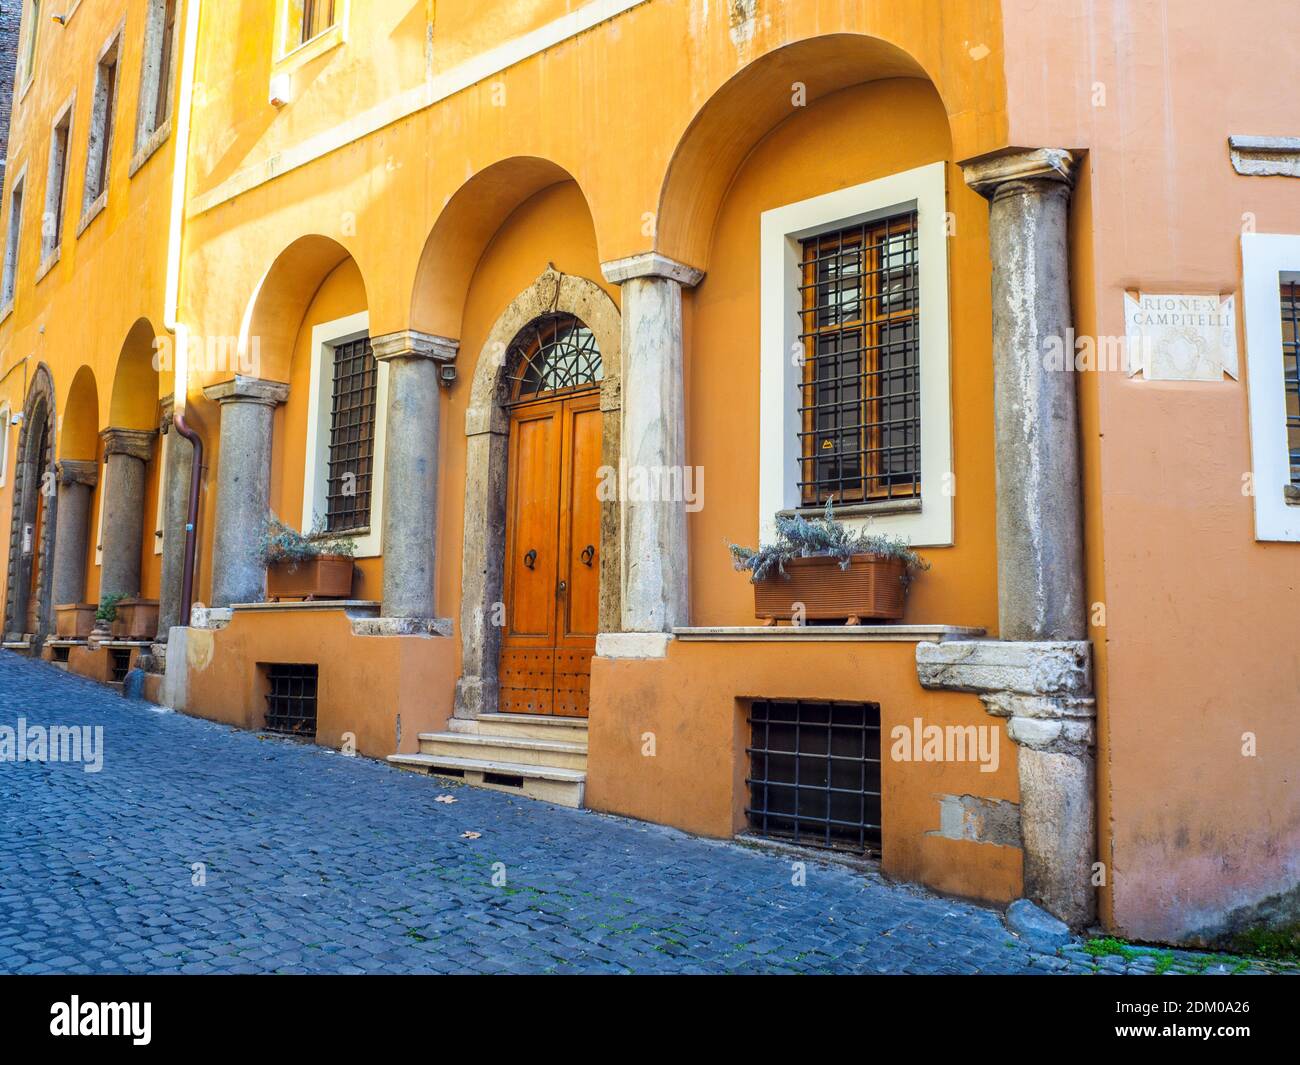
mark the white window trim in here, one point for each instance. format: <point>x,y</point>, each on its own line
<point>1267,260</point>
<point>5,416</point>
<point>162,486</point>
<point>782,228</point>
<point>324,338</point>
<point>99,519</point>
<point>292,54</point>
<point>13,234</point>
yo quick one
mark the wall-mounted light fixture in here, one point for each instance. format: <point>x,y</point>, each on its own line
<point>446,375</point>
<point>281,90</point>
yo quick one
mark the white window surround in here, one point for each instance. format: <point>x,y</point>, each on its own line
<point>57,180</point>
<point>290,53</point>
<point>5,417</point>
<point>324,338</point>
<point>99,520</point>
<point>162,484</point>
<point>781,229</point>
<point>1268,260</point>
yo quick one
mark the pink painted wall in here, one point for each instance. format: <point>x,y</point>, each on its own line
<point>1200,642</point>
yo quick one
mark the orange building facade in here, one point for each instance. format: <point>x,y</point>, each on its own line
<point>537,307</point>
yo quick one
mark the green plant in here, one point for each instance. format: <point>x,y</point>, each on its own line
<point>108,607</point>
<point>800,537</point>
<point>280,544</point>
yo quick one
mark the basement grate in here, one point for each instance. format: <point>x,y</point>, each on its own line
<point>504,780</point>
<point>119,662</point>
<point>814,773</point>
<point>291,698</point>
<point>60,654</point>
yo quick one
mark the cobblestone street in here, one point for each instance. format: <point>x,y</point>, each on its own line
<point>314,862</point>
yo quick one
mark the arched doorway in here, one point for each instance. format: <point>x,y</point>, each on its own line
<point>552,580</point>
<point>32,528</point>
<point>549,372</point>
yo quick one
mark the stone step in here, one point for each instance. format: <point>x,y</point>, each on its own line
<point>564,787</point>
<point>531,726</point>
<point>521,749</point>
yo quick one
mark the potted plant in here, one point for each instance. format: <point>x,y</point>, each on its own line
<point>305,566</point>
<point>818,570</point>
<point>74,621</point>
<point>106,616</point>
<point>137,619</point>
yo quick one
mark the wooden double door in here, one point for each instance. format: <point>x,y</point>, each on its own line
<point>552,565</point>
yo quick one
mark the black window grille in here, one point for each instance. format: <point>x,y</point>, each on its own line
<point>815,773</point>
<point>291,699</point>
<point>860,408</point>
<point>352,436</point>
<point>119,661</point>
<point>1291,372</point>
<point>552,353</point>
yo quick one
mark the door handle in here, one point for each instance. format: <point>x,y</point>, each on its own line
<point>588,553</point>
<point>530,559</point>
<point>562,587</point>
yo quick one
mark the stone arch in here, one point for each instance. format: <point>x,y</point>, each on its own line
<point>79,428</point>
<point>486,454</point>
<point>34,497</point>
<point>742,112</point>
<point>133,401</point>
<point>464,229</point>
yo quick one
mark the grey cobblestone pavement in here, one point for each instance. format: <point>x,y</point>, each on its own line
<point>316,862</point>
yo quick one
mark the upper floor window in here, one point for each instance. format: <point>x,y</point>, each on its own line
<point>55,187</point>
<point>860,413</point>
<point>99,150</point>
<point>157,73</point>
<point>12,242</point>
<point>314,17</point>
<point>32,27</point>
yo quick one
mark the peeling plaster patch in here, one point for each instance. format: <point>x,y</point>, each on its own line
<point>980,51</point>
<point>742,16</point>
<point>978,820</point>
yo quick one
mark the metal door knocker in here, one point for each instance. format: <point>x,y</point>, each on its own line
<point>530,559</point>
<point>588,553</point>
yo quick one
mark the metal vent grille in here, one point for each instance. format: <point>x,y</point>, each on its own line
<point>815,773</point>
<point>860,407</point>
<point>291,699</point>
<point>119,662</point>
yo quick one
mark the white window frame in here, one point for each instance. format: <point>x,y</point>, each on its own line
<point>324,338</point>
<point>13,250</point>
<point>293,53</point>
<point>5,417</point>
<point>929,524</point>
<point>56,188</point>
<point>1267,260</point>
<point>28,43</point>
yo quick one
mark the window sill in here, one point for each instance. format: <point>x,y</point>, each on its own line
<point>152,143</point>
<point>304,53</point>
<point>92,212</point>
<point>48,264</point>
<point>859,510</point>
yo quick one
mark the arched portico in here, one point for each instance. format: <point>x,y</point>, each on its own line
<point>28,607</point>
<point>486,459</point>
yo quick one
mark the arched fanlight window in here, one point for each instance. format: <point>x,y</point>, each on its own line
<point>552,353</point>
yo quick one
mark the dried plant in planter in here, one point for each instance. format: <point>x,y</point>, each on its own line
<point>305,566</point>
<point>796,575</point>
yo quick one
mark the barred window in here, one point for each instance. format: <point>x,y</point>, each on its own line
<point>1291,372</point>
<point>860,408</point>
<point>352,436</point>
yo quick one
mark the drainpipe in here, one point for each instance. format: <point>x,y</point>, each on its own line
<point>171,303</point>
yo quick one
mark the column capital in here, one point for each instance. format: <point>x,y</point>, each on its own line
<point>650,264</point>
<point>166,405</point>
<point>990,174</point>
<point>409,343</point>
<point>78,471</point>
<point>241,389</point>
<point>138,443</point>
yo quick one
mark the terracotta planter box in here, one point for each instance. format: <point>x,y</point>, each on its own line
<point>871,589</point>
<point>326,577</point>
<point>137,619</point>
<point>74,621</point>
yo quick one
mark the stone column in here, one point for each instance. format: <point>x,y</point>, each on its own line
<point>76,480</point>
<point>411,469</point>
<point>127,453</point>
<point>1040,527</point>
<point>243,486</point>
<point>179,456</point>
<point>656,593</point>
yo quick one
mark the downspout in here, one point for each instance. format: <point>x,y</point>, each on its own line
<point>171,301</point>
